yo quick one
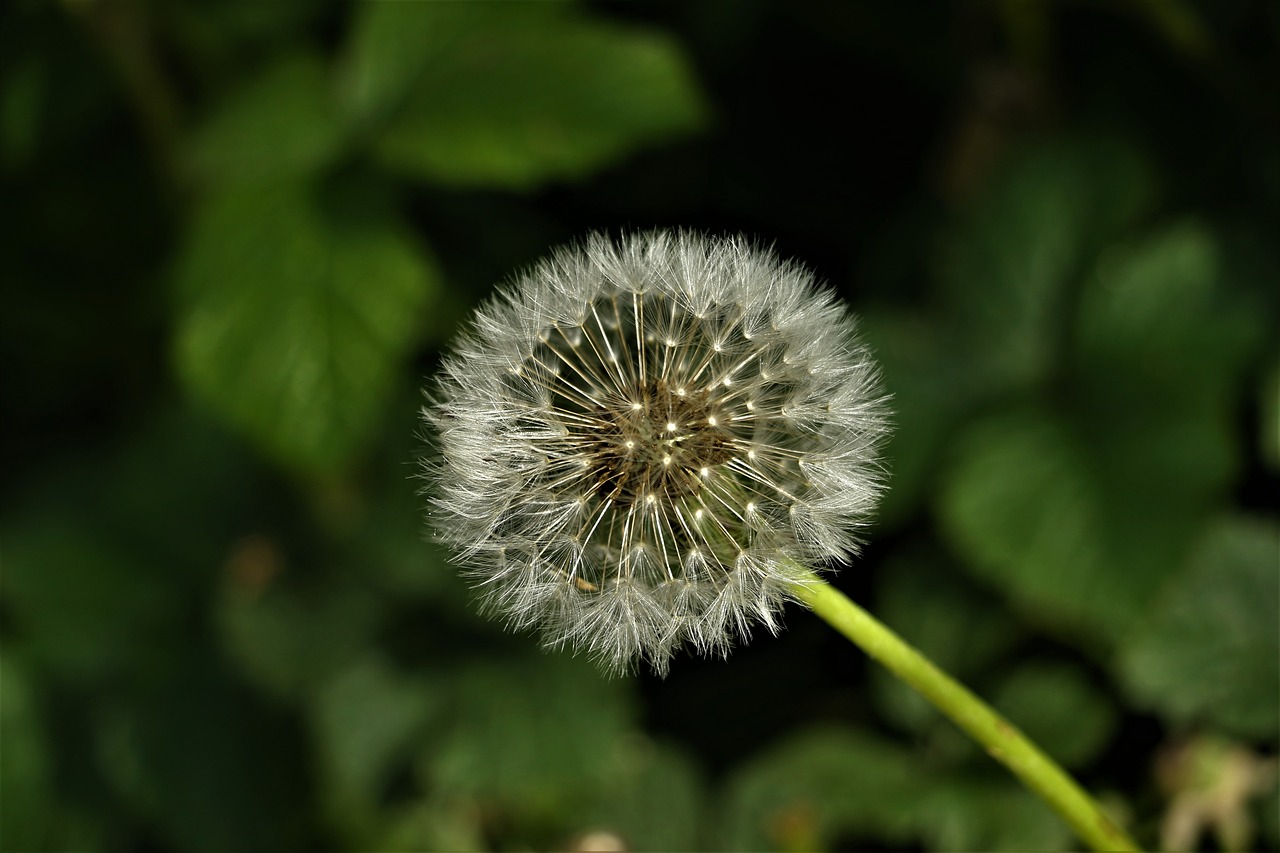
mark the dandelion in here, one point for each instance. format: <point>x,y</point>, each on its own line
<point>651,443</point>
<point>660,442</point>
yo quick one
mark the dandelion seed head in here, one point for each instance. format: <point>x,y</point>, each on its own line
<point>642,443</point>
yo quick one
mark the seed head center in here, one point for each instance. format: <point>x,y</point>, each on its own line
<point>657,442</point>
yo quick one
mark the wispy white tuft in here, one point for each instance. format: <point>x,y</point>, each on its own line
<point>640,442</point>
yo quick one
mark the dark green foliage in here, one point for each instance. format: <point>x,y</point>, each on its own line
<point>1209,650</point>
<point>295,316</point>
<point>239,234</point>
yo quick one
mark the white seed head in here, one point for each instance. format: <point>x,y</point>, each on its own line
<point>640,443</point>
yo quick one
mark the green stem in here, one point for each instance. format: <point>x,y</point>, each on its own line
<point>1002,740</point>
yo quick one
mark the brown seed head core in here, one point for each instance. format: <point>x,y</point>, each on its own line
<point>658,442</point>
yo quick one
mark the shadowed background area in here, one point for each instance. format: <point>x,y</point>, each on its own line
<point>238,236</point>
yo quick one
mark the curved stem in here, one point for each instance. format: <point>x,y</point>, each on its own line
<point>127,39</point>
<point>1001,738</point>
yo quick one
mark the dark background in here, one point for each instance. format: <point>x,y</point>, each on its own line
<point>238,235</point>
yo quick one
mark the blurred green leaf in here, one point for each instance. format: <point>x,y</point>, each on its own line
<point>35,812</point>
<point>1160,472</point>
<point>364,721</point>
<point>1006,269</point>
<point>1161,347</point>
<point>826,785</point>
<point>1081,523</point>
<point>178,466</point>
<point>549,748</point>
<point>283,125</point>
<point>1155,321</point>
<point>962,631</point>
<point>105,559</point>
<point>1269,812</point>
<point>537,737</point>
<point>85,607</point>
<point>393,546</point>
<point>966,813</point>
<point>22,92</point>
<point>431,823</point>
<point>1006,273</point>
<point>26,771</point>
<point>218,37</point>
<point>294,319</point>
<point>1210,649</point>
<point>821,784</point>
<point>205,761</point>
<point>932,390</point>
<point>653,799</point>
<point>290,642</point>
<point>1021,506</point>
<point>391,45</point>
<point>510,96</point>
<point>1269,415</point>
<point>1059,709</point>
<point>391,542</point>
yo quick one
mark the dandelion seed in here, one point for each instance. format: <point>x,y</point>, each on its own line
<point>621,432</point>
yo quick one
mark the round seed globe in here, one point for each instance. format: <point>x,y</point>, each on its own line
<point>646,443</point>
